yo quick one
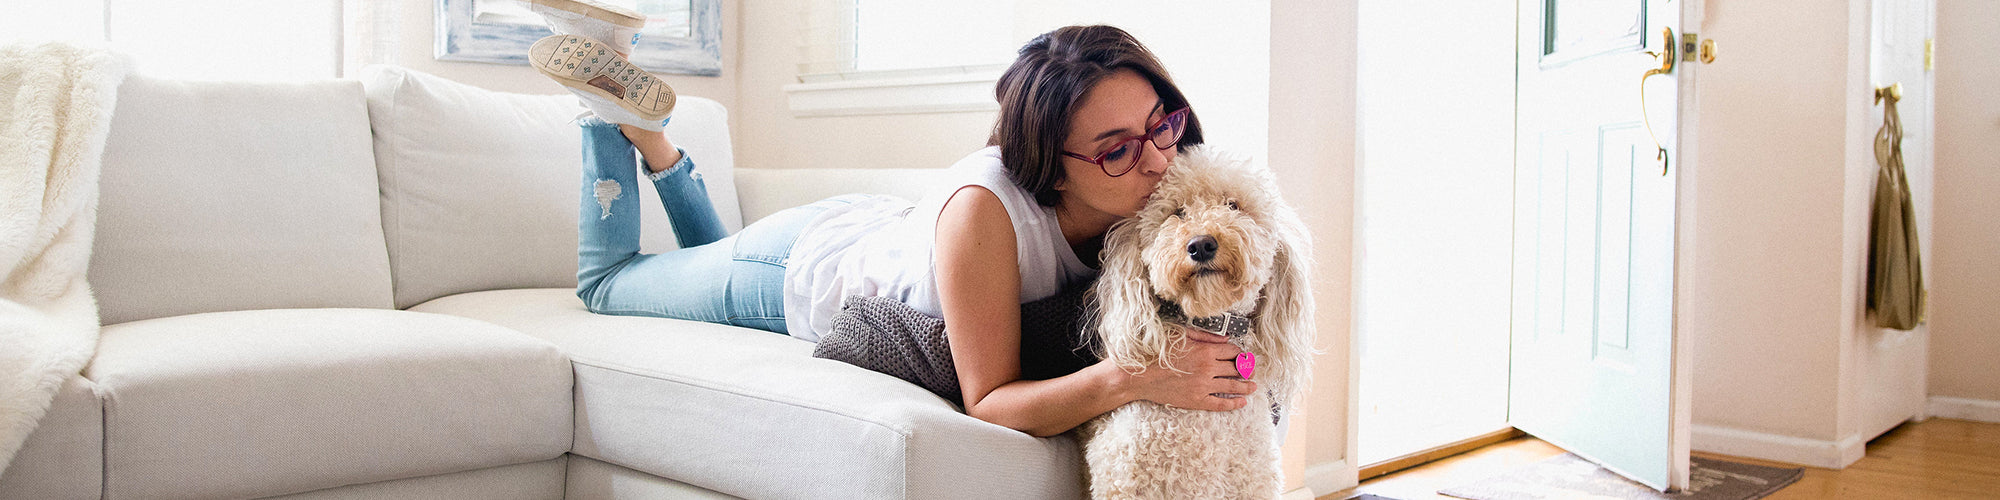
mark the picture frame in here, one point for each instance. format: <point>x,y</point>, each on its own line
<point>500,31</point>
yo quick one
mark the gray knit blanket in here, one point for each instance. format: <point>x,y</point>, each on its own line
<point>888,336</point>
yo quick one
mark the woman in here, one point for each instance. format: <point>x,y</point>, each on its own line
<point>1089,122</point>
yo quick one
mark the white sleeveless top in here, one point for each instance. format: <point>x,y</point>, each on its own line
<point>883,246</point>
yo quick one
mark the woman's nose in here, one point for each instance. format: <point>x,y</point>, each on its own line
<point>1154,161</point>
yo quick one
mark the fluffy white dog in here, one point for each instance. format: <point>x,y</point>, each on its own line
<point>1215,249</point>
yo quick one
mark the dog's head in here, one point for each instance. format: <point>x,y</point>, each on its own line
<point>1215,238</point>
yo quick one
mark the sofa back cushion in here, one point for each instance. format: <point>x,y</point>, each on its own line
<point>480,188</point>
<point>219,196</point>
<point>764,191</point>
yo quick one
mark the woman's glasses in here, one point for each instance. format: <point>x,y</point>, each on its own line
<point>1121,157</point>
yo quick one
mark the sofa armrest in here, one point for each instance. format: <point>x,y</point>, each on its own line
<point>763,191</point>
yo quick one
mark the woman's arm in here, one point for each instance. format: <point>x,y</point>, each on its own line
<point>979,285</point>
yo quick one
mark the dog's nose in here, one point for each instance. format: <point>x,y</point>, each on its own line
<point>1201,248</point>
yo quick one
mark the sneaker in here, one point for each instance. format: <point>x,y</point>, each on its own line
<point>611,86</point>
<point>592,20</point>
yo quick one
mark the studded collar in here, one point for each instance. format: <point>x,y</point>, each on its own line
<point>1232,325</point>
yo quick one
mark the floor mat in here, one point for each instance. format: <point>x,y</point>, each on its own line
<point>1568,476</point>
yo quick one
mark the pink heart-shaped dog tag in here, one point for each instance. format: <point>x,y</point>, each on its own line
<point>1246,364</point>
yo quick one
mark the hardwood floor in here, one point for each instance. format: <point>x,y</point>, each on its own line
<point>1935,459</point>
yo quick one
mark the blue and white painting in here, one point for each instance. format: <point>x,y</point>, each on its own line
<point>682,37</point>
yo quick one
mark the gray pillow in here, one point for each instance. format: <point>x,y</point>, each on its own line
<point>888,336</point>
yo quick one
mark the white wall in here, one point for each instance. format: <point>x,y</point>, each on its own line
<point>1224,77</point>
<point>1787,365</point>
<point>1965,291</point>
<point>1772,135</point>
<point>401,32</point>
<point>1313,148</point>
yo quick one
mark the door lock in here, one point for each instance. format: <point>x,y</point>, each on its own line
<point>1693,48</point>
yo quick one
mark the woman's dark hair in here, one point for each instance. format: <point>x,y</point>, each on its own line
<point>1041,91</point>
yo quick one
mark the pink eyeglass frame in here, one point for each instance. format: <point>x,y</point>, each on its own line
<point>1146,137</point>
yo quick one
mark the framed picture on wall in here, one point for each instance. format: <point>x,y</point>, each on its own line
<point>682,37</point>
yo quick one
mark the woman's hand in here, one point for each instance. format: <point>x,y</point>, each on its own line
<point>1211,382</point>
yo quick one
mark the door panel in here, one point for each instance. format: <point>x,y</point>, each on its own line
<point>1593,364</point>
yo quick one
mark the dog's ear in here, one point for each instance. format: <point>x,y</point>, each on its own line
<point>1284,317</point>
<point>1129,331</point>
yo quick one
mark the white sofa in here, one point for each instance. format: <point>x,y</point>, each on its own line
<point>365,289</point>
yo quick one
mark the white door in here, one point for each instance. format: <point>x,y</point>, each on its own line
<point>1593,366</point>
<point>1893,363</point>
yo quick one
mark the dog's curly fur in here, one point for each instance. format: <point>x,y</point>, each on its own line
<point>1260,269</point>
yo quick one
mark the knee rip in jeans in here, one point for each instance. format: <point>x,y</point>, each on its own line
<point>606,190</point>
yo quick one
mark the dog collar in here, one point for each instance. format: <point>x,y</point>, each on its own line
<point>1230,325</point>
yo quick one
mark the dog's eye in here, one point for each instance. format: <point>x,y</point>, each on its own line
<point>1180,213</point>
<point>1232,205</point>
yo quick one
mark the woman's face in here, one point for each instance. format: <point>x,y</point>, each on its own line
<point>1119,107</point>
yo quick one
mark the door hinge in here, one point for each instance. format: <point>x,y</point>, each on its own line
<point>1930,52</point>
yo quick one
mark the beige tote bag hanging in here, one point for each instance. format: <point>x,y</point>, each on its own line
<point>1895,268</point>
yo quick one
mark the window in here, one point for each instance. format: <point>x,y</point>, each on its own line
<point>197,39</point>
<point>847,39</point>
<point>902,56</point>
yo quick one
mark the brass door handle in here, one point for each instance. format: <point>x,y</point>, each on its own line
<point>1666,57</point>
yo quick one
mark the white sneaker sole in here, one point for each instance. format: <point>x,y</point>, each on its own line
<point>608,13</point>
<point>591,66</point>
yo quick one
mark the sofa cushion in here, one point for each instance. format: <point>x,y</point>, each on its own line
<point>750,413</point>
<point>466,172</point>
<point>590,479</point>
<point>64,457</point>
<point>219,196</point>
<point>258,403</point>
<point>530,481</point>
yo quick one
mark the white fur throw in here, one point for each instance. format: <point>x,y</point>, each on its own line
<point>55,109</point>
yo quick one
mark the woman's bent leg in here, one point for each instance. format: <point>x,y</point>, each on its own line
<point>612,276</point>
<point>685,197</point>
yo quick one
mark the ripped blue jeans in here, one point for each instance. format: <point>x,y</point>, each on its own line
<point>714,277</point>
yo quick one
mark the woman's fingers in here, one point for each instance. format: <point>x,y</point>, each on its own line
<point>1227,404</point>
<point>1223,352</point>
<point>1243,386</point>
<point>1233,386</point>
<point>1214,403</point>
<point>1226,368</point>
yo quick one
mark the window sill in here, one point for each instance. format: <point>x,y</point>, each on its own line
<point>950,93</point>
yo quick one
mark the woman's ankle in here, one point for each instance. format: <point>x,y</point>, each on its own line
<point>658,151</point>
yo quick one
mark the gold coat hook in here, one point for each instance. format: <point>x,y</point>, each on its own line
<point>1893,92</point>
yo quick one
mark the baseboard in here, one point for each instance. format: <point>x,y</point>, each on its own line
<point>1765,446</point>
<point>1326,478</point>
<point>1303,493</point>
<point>1977,410</point>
